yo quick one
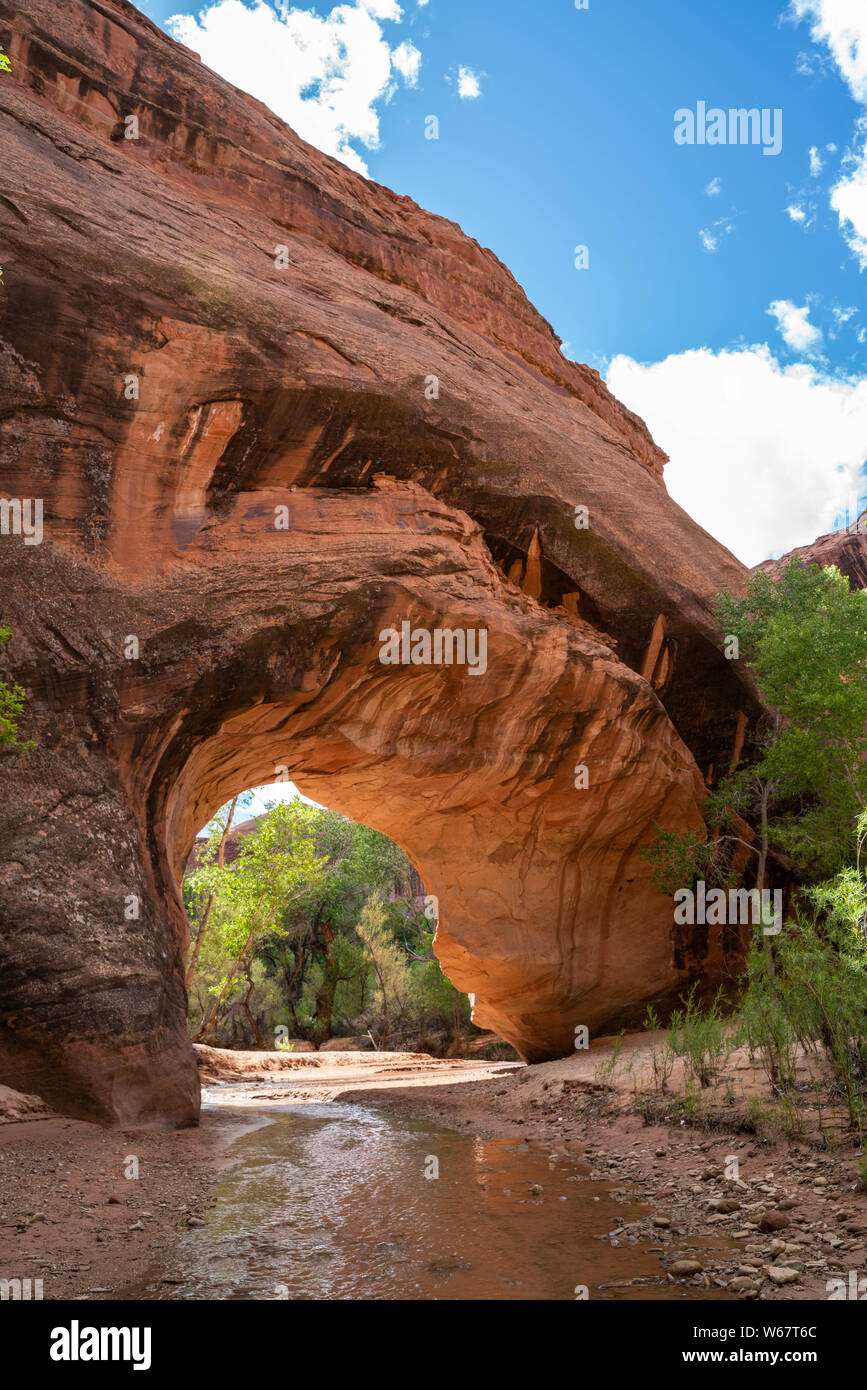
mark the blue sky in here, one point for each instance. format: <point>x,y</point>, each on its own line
<point>256,800</point>
<point>724,298</point>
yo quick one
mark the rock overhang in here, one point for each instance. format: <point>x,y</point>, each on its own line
<point>308,387</point>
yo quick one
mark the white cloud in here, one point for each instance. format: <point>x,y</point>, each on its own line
<point>798,333</point>
<point>713,188</point>
<point>407,59</point>
<point>796,213</point>
<point>816,162</point>
<point>469,86</point>
<point>849,200</point>
<point>763,456</point>
<point>841,25</point>
<point>322,75</point>
<point>712,236</point>
<point>843,313</point>
<point>809,64</point>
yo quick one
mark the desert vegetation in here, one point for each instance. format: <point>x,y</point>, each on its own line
<point>12,699</point>
<point>305,927</point>
<point>793,815</point>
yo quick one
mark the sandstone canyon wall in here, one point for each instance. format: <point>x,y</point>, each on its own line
<point>846,549</point>
<point>302,387</point>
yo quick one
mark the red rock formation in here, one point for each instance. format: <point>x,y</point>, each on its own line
<point>166,389</point>
<point>847,549</point>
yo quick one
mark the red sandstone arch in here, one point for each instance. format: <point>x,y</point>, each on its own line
<point>260,388</point>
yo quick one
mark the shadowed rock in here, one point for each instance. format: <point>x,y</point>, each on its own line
<point>392,400</point>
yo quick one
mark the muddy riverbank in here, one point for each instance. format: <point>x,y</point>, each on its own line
<point>707,1214</point>
<point>70,1215</point>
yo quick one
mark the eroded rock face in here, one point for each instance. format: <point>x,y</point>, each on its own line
<point>174,398</point>
<point>846,549</point>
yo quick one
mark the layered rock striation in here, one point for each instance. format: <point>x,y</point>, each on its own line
<point>273,410</point>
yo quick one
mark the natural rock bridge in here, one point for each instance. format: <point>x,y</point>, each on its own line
<point>171,385</point>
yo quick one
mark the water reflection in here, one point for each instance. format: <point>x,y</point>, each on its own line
<point>335,1201</point>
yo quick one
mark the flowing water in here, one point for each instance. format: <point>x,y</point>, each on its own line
<point>339,1201</point>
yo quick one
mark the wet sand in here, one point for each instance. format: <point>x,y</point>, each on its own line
<point>69,1215</point>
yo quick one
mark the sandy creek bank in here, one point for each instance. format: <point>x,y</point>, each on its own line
<point>69,1215</point>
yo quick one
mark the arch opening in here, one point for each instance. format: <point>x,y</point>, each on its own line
<point>262,650</point>
<point>310,931</point>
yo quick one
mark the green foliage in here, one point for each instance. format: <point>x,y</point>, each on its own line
<point>275,868</point>
<point>678,859</point>
<point>313,928</point>
<point>609,1067</point>
<point>761,1120</point>
<point>700,1037</point>
<point>12,699</point>
<point>662,1057</point>
<point>804,633</point>
<point>764,1025</point>
<point>817,994</point>
<point>393,988</point>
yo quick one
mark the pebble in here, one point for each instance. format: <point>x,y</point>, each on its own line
<point>774,1221</point>
<point>743,1284</point>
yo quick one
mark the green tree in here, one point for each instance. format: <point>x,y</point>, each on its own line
<point>818,996</point>
<point>804,633</point>
<point>308,967</point>
<point>390,967</point>
<point>275,867</point>
<point>359,861</point>
<point>12,699</point>
<point>212,852</point>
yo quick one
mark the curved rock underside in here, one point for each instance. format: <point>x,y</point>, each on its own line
<point>304,388</point>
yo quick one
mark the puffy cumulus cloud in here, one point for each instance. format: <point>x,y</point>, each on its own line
<point>841,26</point>
<point>469,85</point>
<point>793,322</point>
<point>849,199</point>
<point>764,457</point>
<point>407,60</point>
<point>322,74</point>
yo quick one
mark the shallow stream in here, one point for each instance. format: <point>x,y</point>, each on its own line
<point>343,1201</point>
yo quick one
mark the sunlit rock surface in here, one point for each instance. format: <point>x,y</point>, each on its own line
<point>846,549</point>
<point>390,398</point>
